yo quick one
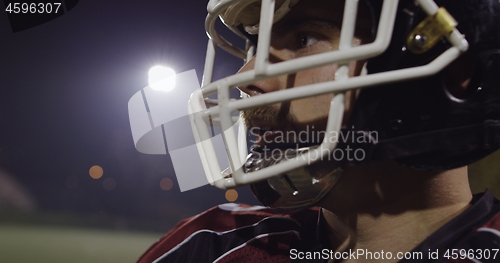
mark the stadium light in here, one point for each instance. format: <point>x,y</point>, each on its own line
<point>161,78</point>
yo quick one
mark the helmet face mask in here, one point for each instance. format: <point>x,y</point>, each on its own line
<point>299,179</point>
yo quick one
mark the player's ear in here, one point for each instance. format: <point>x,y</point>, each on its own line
<point>458,76</point>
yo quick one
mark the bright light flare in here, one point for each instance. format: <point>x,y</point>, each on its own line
<point>161,78</point>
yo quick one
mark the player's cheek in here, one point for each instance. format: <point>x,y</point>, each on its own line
<point>310,109</point>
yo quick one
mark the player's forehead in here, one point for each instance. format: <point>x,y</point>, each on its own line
<point>331,9</point>
<point>322,10</point>
<point>321,13</point>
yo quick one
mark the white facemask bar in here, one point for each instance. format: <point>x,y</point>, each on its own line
<point>263,70</point>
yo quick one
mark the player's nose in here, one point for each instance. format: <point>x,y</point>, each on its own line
<point>261,86</point>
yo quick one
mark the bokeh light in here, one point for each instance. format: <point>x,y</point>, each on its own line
<point>96,172</point>
<point>166,184</point>
<point>231,195</point>
<point>109,184</point>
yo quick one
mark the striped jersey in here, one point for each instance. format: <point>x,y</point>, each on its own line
<point>241,233</point>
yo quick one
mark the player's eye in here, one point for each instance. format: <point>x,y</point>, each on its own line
<point>307,40</point>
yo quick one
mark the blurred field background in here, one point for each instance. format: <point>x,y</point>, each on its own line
<point>60,237</point>
<point>45,243</point>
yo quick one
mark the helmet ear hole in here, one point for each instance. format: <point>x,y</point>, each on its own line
<point>460,78</point>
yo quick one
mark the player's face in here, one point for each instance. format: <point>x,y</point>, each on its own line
<point>311,27</point>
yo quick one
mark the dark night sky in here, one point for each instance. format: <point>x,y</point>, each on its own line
<point>64,91</point>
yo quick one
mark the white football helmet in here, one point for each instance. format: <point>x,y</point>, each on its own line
<point>293,179</point>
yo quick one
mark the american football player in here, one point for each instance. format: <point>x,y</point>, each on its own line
<point>355,126</point>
